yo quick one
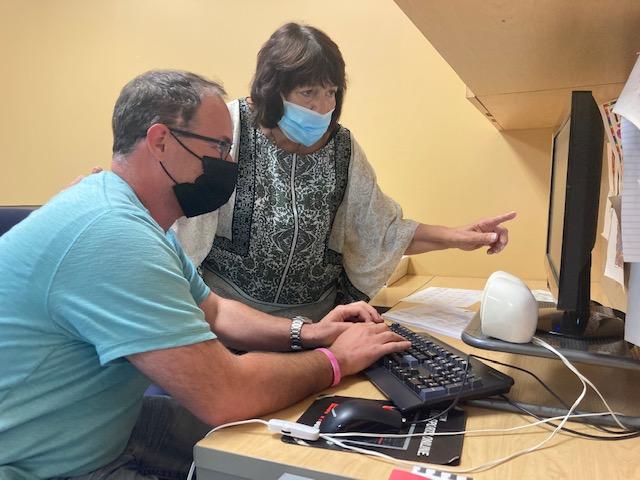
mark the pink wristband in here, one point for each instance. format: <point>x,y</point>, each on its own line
<point>334,365</point>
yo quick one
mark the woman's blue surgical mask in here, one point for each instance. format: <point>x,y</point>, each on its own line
<point>301,125</point>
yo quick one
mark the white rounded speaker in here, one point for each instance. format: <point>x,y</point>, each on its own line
<point>508,309</point>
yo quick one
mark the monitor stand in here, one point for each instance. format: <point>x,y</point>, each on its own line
<point>605,350</point>
<point>602,323</point>
<point>603,345</point>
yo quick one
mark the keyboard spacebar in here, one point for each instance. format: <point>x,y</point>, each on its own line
<point>401,396</point>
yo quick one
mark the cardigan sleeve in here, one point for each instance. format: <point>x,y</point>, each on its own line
<point>369,229</point>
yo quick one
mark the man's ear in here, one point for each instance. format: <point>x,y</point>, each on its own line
<point>156,140</point>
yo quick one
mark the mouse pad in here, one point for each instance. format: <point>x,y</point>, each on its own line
<point>445,450</point>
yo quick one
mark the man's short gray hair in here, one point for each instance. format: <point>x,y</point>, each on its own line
<point>170,97</point>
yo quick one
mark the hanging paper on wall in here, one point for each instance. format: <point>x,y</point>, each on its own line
<point>612,127</point>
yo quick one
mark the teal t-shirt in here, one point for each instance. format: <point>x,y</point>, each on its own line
<point>85,280</point>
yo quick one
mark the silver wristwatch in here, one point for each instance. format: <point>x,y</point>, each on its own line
<point>296,330</point>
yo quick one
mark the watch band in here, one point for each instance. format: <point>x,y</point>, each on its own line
<point>295,333</point>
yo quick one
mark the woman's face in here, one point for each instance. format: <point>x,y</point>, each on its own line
<point>319,98</point>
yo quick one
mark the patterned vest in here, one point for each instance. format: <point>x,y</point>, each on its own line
<point>284,209</point>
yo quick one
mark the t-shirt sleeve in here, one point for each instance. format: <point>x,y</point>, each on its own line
<point>199,290</point>
<point>124,288</point>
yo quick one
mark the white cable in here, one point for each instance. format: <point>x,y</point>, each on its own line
<point>466,432</point>
<point>220,427</point>
<point>571,367</point>
<point>499,461</point>
<point>484,466</point>
<point>372,453</point>
<point>291,428</point>
<point>582,379</point>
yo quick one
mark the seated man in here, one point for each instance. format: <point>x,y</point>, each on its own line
<point>97,299</point>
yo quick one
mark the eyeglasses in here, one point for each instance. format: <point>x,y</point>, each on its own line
<point>224,147</point>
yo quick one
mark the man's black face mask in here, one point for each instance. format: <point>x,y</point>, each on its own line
<point>210,190</point>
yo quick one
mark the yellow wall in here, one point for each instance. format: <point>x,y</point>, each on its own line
<point>64,62</point>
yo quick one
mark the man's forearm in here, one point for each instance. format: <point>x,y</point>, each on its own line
<point>298,376</point>
<point>220,387</point>
<point>241,327</point>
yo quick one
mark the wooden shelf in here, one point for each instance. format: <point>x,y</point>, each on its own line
<point>520,60</point>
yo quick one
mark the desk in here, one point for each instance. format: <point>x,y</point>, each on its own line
<point>253,448</point>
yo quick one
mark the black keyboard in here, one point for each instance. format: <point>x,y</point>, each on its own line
<point>432,372</point>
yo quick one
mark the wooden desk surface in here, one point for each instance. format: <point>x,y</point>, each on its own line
<point>565,457</point>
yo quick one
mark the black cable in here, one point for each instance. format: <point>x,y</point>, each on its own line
<point>617,434</point>
<point>546,387</point>
<point>556,396</point>
<point>567,429</point>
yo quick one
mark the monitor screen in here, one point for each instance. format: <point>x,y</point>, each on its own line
<point>557,199</point>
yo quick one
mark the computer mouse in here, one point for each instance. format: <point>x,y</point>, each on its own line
<point>508,309</point>
<point>361,415</point>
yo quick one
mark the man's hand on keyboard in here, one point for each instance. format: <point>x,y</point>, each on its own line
<point>325,332</point>
<point>364,343</point>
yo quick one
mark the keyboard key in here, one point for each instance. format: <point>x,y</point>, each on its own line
<point>409,360</point>
<point>427,393</point>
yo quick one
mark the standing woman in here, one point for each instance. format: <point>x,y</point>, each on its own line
<point>307,227</point>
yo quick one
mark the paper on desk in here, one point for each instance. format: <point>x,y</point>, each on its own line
<point>434,317</point>
<point>453,297</point>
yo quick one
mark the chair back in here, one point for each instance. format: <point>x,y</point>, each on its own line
<point>10,216</point>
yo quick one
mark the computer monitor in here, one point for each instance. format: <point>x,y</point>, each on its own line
<point>573,218</point>
<point>581,329</point>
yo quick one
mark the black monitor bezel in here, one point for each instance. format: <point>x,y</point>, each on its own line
<point>571,285</point>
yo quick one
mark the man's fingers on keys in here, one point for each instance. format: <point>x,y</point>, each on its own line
<point>393,345</point>
<point>379,328</point>
<point>391,337</point>
<point>371,314</point>
<point>360,312</point>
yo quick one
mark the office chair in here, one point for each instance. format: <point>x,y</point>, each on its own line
<point>10,216</point>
